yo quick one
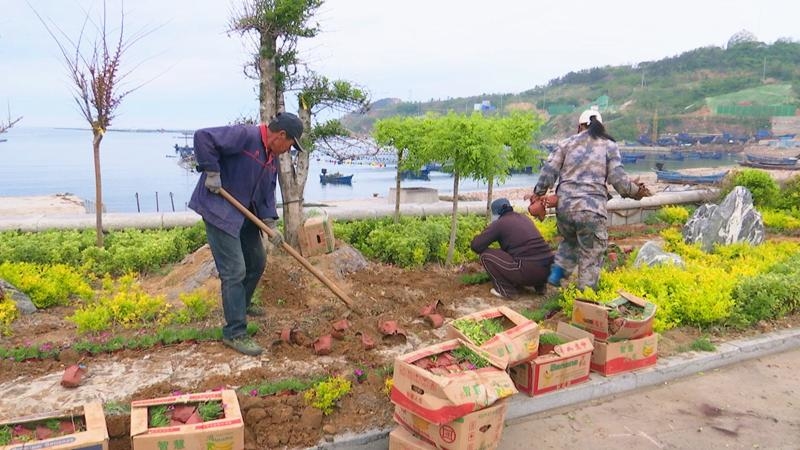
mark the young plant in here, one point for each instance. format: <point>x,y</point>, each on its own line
<point>479,331</point>
<point>703,344</point>
<point>211,410</point>
<point>158,416</point>
<point>551,339</point>
<point>475,278</point>
<point>466,354</point>
<point>5,435</point>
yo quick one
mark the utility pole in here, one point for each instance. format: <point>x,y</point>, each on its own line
<point>655,127</point>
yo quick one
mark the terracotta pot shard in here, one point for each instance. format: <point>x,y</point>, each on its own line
<point>367,341</point>
<point>73,376</point>
<point>430,309</point>
<point>388,327</point>
<point>323,344</point>
<point>434,320</point>
<point>341,325</point>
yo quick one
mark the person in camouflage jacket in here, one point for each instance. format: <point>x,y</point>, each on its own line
<point>581,167</point>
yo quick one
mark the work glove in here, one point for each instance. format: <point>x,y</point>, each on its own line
<point>277,238</point>
<point>213,182</point>
<point>642,192</point>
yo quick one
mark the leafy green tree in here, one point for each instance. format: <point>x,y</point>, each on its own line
<point>406,136</point>
<point>277,26</point>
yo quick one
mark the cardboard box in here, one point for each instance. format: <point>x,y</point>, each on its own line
<point>568,365</point>
<point>316,236</point>
<point>517,344</point>
<point>94,438</point>
<point>609,358</point>
<point>478,430</point>
<point>221,434</point>
<point>444,397</point>
<point>402,439</point>
<point>594,318</point>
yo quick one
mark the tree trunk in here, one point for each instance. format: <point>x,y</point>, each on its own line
<point>98,187</point>
<point>267,85</point>
<point>489,191</point>
<point>397,189</point>
<point>454,222</point>
<point>293,176</point>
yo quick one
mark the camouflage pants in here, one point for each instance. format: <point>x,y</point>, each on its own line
<point>585,238</point>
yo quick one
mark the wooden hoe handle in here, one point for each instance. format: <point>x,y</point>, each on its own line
<point>289,249</point>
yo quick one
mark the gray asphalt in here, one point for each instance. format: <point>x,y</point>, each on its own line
<point>746,394</point>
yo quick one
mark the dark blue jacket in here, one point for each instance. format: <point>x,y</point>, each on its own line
<point>248,173</point>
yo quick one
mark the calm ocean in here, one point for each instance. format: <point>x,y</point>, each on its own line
<point>44,161</point>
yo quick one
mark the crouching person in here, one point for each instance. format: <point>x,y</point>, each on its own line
<point>523,259</point>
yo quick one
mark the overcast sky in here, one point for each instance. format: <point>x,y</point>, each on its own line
<point>412,49</point>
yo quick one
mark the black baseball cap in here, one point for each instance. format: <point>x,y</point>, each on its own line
<point>291,124</point>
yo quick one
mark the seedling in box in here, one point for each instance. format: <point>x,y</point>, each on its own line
<point>479,331</point>
<point>503,332</point>
<point>82,429</point>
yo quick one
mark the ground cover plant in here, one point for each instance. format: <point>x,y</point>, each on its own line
<point>701,294</point>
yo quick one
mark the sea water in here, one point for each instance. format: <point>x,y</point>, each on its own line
<point>140,171</point>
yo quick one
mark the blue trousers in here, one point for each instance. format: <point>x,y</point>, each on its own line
<point>240,262</point>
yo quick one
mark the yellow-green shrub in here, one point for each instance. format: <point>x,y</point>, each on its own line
<point>700,294</point>
<point>8,314</point>
<point>547,228</point>
<point>673,215</point>
<point>121,302</point>
<point>325,394</point>
<point>198,304</point>
<point>779,220</point>
<point>47,285</point>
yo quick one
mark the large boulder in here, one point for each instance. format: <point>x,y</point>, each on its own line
<point>651,254</point>
<point>733,220</point>
<point>9,292</point>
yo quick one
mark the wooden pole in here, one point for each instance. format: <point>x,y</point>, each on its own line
<point>289,249</point>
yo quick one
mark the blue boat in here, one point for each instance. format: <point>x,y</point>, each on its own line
<point>771,160</point>
<point>674,156</point>
<point>422,174</point>
<point>671,176</point>
<point>334,178</point>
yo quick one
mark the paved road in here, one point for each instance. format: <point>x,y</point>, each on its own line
<point>750,405</point>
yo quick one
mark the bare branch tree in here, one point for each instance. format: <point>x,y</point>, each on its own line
<point>95,69</point>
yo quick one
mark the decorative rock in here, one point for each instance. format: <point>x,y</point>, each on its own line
<point>651,255</point>
<point>24,303</point>
<point>347,260</point>
<point>329,429</point>
<point>734,220</point>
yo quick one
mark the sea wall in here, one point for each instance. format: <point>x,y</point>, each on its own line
<point>621,211</point>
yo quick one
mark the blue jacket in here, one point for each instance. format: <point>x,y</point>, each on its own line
<point>247,171</point>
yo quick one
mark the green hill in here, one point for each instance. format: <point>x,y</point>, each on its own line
<point>736,89</point>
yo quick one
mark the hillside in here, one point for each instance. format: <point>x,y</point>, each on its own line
<point>736,89</point>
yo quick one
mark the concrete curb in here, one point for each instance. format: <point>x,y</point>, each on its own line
<point>678,366</point>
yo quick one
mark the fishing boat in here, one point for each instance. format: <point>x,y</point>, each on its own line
<point>771,160</point>
<point>758,165</point>
<point>334,178</point>
<point>422,174</point>
<point>672,156</point>
<point>671,176</point>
